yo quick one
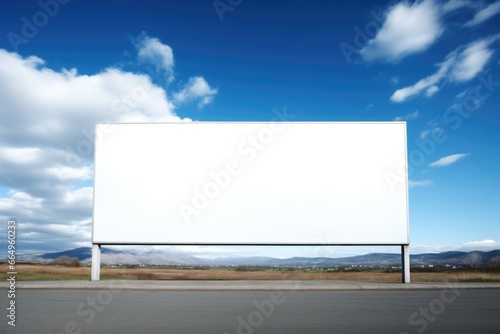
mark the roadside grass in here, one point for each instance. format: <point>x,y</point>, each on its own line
<point>35,272</point>
<point>456,277</point>
<point>38,272</point>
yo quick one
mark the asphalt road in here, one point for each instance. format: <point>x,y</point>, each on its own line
<point>124,311</point>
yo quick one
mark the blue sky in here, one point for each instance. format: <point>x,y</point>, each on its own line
<point>65,65</point>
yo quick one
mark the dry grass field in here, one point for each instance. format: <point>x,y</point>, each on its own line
<point>32,272</point>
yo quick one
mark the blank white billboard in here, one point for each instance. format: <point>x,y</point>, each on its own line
<point>251,183</point>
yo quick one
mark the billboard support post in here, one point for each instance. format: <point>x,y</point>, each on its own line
<point>405,264</point>
<point>96,262</point>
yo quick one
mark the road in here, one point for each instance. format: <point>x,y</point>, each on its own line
<point>378,311</point>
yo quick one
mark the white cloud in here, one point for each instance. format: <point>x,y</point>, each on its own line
<point>448,160</point>
<point>431,90</point>
<point>43,106</point>
<point>469,99</point>
<point>55,237</point>
<point>21,155</point>
<point>423,183</point>
<point>424,134</point>
<point>460,65</point>
<point>81,197</point>
<point>70,173</point>
<point>151,50</point>
<point>472,60</point>
<point>482,245</point>
<point>485,242</point>
<point>407,29</point>
<point>413,115</point>
<point>403,94</point>
<point>455,4</point>
<point>47,137</point>
<point>22,199</point>
<point>195,89</point>
<point>411,27</point>
<point>484,14</point>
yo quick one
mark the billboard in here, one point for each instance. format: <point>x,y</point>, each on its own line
<point>251,183</point>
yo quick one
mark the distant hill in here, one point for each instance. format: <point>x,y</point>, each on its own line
<point>115,257</point>
<point>373,259</point>
<point>159,257</point>
<point>457,258</point>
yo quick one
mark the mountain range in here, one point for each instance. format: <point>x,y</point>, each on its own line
<point>159,257</point>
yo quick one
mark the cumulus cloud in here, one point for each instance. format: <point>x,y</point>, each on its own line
<point>195,89</point>
<point>47,138</point>
<point>448,160</point>
<point>151,50</point>
<point>460,65</point>
<point>407,29</point>
<point>53,108</point>
<point>485,14</point>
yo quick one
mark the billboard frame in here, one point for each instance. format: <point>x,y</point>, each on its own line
<point>405,259</point>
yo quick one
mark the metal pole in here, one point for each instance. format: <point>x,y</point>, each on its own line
<point>405,263</point>
<point>96,262</point>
